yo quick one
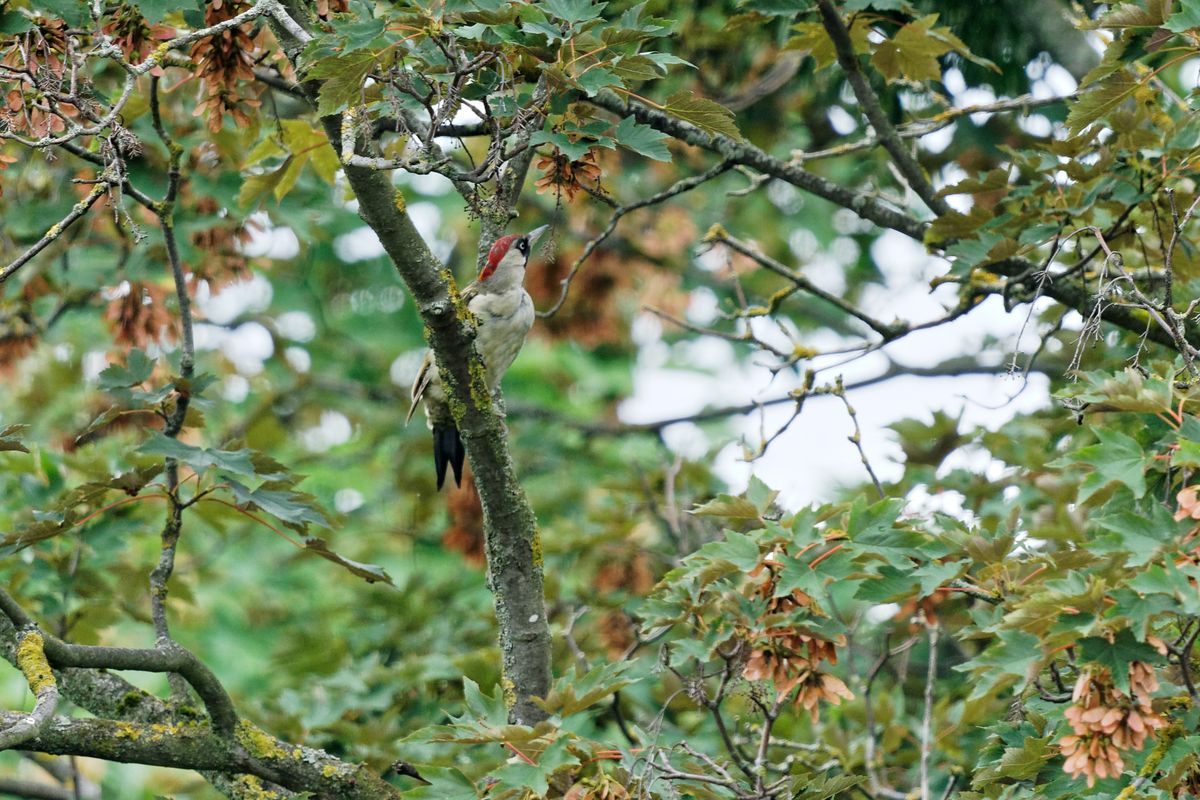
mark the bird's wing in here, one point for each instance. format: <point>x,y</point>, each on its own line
<point>424,376</point>
<point>468,293</point>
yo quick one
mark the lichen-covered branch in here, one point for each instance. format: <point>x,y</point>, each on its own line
<point>138,727</point>
<point>249,752</point>
<point>169,658</point>
<point>31,660</point>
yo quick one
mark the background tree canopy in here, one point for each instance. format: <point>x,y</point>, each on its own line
<point>230,229</point>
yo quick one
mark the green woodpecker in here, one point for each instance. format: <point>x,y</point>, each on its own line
<point>504,312</point>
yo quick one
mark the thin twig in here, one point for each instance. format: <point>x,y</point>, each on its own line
<point>677,188</point>
<point>74,215</point>
<point>927,719</point>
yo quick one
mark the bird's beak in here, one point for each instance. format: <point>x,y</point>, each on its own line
<point>536,234</point>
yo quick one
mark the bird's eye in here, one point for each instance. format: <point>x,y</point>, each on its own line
<point>522,245</point>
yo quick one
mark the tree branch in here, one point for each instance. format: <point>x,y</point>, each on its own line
<point>886,330</point>
<point>743,152</point>
<point>869,103</point>
<point>171,658</point>
<point>196,746</point>
<point>953,368</point>
<point>74,215</point>
<point>31,660</point>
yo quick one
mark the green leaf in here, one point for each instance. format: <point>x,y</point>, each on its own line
<point>1137,15</point>
<point>813,39</point>
<point>935,575</point>
<point>536,776</point>
<point>878,5</point>
<point>1025,762</point>
<point>490,710</point>
<point>1116,457</point>
<point>706,115</point>
<point>342,77</point>
<point>74,12</point>
<point>873,530</point>
<point>1186,18</point>
<point>775,8</point>
<point>10,439</point>
<point>825,787</point>
<point>292,507</point>
<point>635,68</point>
<point>573,11</point>
<point>642,139</point>
<point>728,507</point>
<point>136,371</point>
<point>888,585</point>
<point>737,549</point>
<point>1141,534</point>
<point>99,422</point>
<point>971,253</point>
<point>371,573</point>
<point>443,783</point>
<point>1095,103</point>
<point>1013,652</point>
<point>597,78</point>
<point>912,53</point>
<point>573,150</point>
<point>1117,654</point>
<point>761,495</point>
<point>289,173</point>
<point>155,10</point>
<point>198,459</point>
<point>1127,390</point>
<point>956,225</point>
<point>14,22</point>
<point>574,693</point>
<point>256,187</point>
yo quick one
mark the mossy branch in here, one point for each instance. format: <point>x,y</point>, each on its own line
<point>31,660</point>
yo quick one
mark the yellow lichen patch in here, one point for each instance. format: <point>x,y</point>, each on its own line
<point>536,547</point>
<point>481,396</point>
<point>348,133</point>
<point>401,205</point>
<point>461,310</point>
<point>329,770</point>
<point>510,691</point>
<point>31,659</point>
<point>252,788</point>
<point>986,279</point>
<point>152,733</point>
<point>160,53</point>
<point>261,744</point>
<point>457,409</point>
<point>125,730</point>
<point>715,234</point>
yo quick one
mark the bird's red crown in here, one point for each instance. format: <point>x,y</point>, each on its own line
<point>498,251</point>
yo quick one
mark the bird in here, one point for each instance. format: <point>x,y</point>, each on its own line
<point>504,312</point>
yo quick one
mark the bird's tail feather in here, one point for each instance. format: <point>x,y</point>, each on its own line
<point>448,451</point>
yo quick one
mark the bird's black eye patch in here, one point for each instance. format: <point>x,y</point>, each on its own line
<point>523,245</point>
